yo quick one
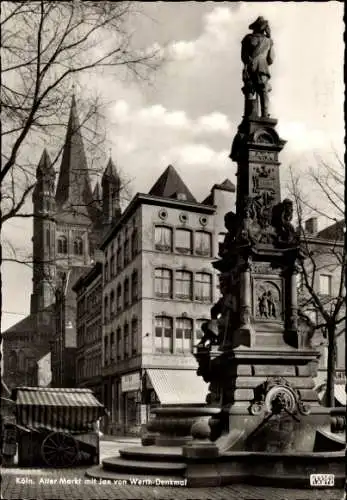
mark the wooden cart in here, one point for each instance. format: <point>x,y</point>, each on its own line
<point>57,427</point>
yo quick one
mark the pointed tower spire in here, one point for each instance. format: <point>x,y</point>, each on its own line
<point>97,192</point>
<point>111,186</point>
<point>74,183</point>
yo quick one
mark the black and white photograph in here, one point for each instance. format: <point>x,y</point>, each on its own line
<point>173,235</point>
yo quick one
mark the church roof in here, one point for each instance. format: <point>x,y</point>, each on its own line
<point>45,164</point>
<point>110,174</point>
<point>74,183</point>
<point>170,185</point>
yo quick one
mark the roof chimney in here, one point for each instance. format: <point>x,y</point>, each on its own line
<point>311,225</point>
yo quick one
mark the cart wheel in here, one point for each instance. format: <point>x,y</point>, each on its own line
<point>59,450</point>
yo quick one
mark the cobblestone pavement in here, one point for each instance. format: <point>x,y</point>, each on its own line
<point>48,484</point>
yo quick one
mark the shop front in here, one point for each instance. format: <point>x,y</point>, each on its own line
<point>131,403</point>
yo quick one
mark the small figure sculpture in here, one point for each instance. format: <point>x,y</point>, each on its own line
<point>263,306</point>
<point>282,217</point>
<point>271,307</point>
<point>267,306</point>
<point>257,54</point>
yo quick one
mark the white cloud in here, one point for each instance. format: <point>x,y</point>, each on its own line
<point>182,50</point>
<point>199,154</point>
<point>214,122</point>
<point>121,110</point>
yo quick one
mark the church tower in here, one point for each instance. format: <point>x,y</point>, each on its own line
<point>44,236</point>
<point>111,187</point>
<point>74,200</point>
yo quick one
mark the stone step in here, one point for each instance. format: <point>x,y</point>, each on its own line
<point>152,453</point>
<point>118,464</point>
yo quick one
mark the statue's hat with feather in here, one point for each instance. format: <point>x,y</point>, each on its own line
<point>260,23</point>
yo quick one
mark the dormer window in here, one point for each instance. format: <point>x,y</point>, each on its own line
<point>181,196</point>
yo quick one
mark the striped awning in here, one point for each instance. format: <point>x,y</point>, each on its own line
<point>178,386</point>
<point>57,409</point>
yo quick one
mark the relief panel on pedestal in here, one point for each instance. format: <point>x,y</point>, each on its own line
<point>268,300</point>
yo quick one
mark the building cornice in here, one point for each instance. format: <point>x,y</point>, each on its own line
<point>146,199</point>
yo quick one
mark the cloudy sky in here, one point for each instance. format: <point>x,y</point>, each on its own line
<point>189,113</point>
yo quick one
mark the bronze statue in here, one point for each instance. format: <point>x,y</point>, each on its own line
<point>257,54</point>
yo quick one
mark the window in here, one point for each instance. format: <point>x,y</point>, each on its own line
<point>112,347</point>
<point>184,335</point>
<point>163,283</point>
<point>134,286</point>
<point>126,292</point>
<point>62,245</point>
<point>112,304</point>
<point>106,350</point>
<point>163,334</point>
<point>78,246</point>
<point>106,272</point>
<point>119,298</point>
<point>203,287</point>
<point>203,243</point>
<point>183,241</point>
<point>106,309</point>
<point>119,259</point>
<point>163,238</point>
<point>325,284</point>
<point>126,340</point>
<point>184,285</point>
<point>126,252</point>
<point>119,343</point>
<point>134,243</point>
<point>112,267</point>
<point>198,331</point>
<point>134,334</point>
<point>12,360</point>
<point>48,239</point>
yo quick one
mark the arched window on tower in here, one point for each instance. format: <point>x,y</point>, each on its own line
<point>62,244</point>
<point>78,246</point>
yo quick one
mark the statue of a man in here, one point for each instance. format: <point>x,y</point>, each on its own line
<point>257,54</point>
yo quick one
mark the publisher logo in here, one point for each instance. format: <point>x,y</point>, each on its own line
<point>322,480</point>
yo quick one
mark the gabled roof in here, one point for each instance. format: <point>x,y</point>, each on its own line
<point>226,185</point>
<point>74,183</point>
<point>335,232</point>
<point>170,185</point>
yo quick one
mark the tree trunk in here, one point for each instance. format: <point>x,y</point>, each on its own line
<point>331,368</point>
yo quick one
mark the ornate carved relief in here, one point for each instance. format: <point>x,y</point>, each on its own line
<point>275,396</point>
<point>270,156</point>
<point>268,301</point>
<point>264,268</point>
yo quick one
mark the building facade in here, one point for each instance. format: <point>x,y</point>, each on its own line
<point>88,291</point>
<point>68,225</point>
<point>327,279</point>
<point>158,288</point>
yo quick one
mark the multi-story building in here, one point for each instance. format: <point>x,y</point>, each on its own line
<point>68,224</point>
<point>324,268</point>
<point>158,288</point>
<point>88,290</point>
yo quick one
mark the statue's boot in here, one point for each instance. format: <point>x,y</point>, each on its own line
<point>264,104</point>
